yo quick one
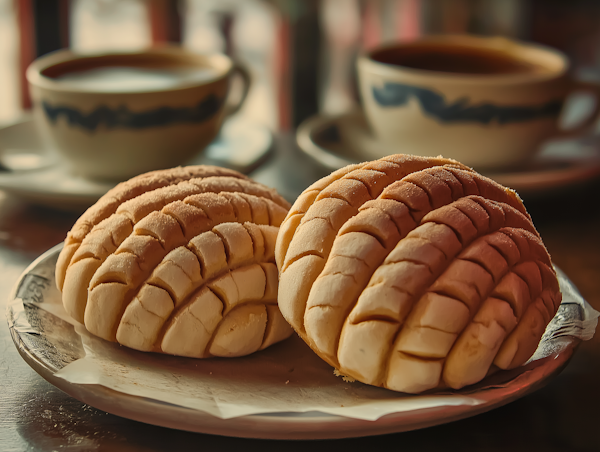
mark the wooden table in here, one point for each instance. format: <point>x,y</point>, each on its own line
<point>562,416</point>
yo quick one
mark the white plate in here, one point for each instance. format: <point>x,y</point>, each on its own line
<point>339,140</point>
<point>32,172</point>
<point>48,344</point>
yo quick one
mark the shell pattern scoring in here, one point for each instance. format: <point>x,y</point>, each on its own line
<point>178,261</point>
<point>415,273</point>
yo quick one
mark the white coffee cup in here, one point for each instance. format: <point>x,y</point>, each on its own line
<point>487,102</point>
<point>116,115</point>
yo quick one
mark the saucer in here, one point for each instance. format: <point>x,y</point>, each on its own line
<point>338,140</point>
<point>29,170</point>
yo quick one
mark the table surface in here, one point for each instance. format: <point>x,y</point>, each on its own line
<point>562,416</point>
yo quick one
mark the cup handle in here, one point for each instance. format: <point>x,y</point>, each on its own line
<point>242,72</point>
<point>587,124</point>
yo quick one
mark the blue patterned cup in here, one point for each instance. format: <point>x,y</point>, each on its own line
<point>116,115</point>
<point>487,102</point>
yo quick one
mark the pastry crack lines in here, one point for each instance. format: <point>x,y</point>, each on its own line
<point>451,279</point>
<point>184,267</point>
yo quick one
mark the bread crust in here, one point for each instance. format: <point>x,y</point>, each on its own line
<point>415,273</point>
<point>164,260</point>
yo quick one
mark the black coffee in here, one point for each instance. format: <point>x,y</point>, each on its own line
<point>455,59</point>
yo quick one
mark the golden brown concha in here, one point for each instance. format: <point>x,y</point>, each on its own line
<point>415,273</point>
<point>178,261</point>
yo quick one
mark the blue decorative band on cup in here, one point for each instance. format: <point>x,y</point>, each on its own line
<point>434,104</point>
<point>122,117</point>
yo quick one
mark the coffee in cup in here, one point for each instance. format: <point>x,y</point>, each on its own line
<point>487,102</point>
<point>116,115</point>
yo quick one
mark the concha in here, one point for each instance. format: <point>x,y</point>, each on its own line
<point>415,273</point>
<point>178,261</point>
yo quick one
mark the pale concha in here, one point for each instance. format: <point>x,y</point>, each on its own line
<point>178,261</point>
<point>415,273</point>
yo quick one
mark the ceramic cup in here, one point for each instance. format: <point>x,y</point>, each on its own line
<point>487,102</point>
<point>116,115</point>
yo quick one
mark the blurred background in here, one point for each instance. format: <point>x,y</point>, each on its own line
<point>301,52</point>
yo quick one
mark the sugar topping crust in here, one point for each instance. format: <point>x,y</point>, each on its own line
<point>179,261</point>
<point>415,273</point>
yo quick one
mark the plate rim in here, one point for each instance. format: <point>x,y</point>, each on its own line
<point>297,426</point>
